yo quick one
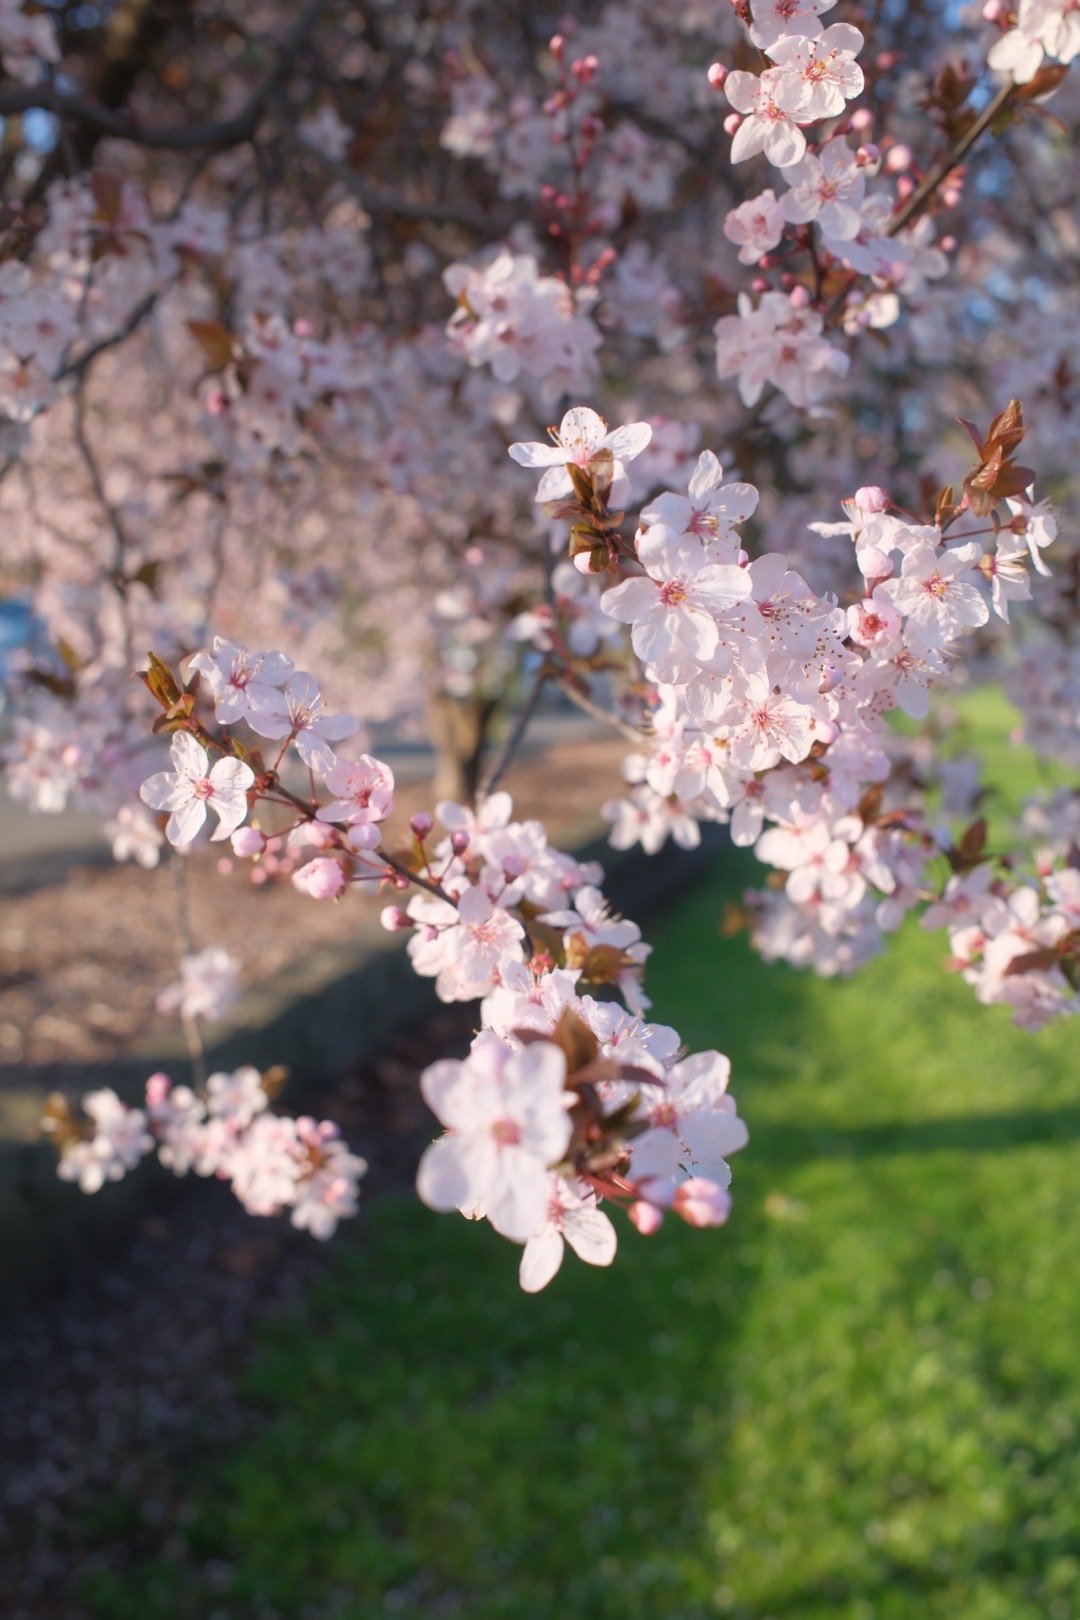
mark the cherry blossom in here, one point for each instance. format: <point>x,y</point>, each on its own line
<point>671,608</point>
<point>241,682</point>
<point>572,1218</point>
<point>507,1124</point>
<point>583,439</point>
<point>193,786</point>
<point>299,711</point>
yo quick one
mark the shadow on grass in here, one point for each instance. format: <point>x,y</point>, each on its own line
<point>853,1402</point>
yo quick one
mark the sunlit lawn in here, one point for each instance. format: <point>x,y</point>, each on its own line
<point>860,1400</point>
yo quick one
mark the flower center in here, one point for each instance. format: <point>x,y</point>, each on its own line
<point>507,1132</point>
<point>202,788</point>
<point>673,593</point>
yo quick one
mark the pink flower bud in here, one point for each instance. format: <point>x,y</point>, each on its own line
<point>157,1089</point>
<point>585,69</point>
<point>421,824</point>
<point>867,156</point>
<point>248,842</point>
<point>321,878</point>
<point>871,498</point>
<point>898,158</point>
<point>992,10</point>
<point>394,919</point>
<point>759,284</point>
<point>556,45</point>
<point>362,835</point>
<point>861,120</point>
<point>646,1217</point>
<point>717,74</point>
<point>224,866</point>
<point>702,1202</point>
<point>800,297</point>
<point>732,122</point>
<point>459,842</point>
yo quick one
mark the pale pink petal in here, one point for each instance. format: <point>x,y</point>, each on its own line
<point>541,1259</point>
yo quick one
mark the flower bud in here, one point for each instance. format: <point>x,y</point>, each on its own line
<point>732,122</point>
<point>871,498</point>
<point>247,842</point>
<point>394,919</point>
<point>421,824</point>
<point>157,1089</point>
<point>717,74</point>
<point>459,842</point>
<point>702,1202</point>
<point>321,879</point>
<point>646,1217</point>
<point>861,120</point>
<point>898,158</point>
<point>800,297</point>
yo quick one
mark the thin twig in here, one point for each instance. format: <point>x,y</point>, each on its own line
<point>517,734</point>
<point>192,1032</point>
<point>586,704</point>
<point>215,136</point>
<point>923,193</point>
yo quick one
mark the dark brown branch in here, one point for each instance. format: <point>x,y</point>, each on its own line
<point>212,136</point>
<point>517,734</point>
<point>924,192</point>
<point>379,204</point>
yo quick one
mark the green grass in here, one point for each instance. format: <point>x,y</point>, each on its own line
<point>860,1400</point>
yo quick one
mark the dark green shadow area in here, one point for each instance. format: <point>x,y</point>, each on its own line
<point>859,1400</point>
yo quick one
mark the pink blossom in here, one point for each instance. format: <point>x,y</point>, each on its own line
<point>507,1124</point>
<point>363,791</point>
<point>582,439</point>
<point>193,786</point>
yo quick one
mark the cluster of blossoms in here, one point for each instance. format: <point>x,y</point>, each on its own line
<point>262,326</point>
<point>568,1097</point>
<point>207,987</point>
<point>523,324</point>
<point>771,701</point>
<point>1038,31</point>
<point>778,336</point>
<point>272,1163</point>
<point>1015,943</point>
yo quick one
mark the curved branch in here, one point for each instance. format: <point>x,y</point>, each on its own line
<point>212,136</point>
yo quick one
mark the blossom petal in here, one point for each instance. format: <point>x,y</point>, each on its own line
<point>591,1235</point>
<point>541,1259</point>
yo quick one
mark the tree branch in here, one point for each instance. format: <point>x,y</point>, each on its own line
<point>212,136</point>
<point>924,192</point>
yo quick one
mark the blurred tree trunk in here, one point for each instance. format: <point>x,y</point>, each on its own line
<point>458,728</point>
